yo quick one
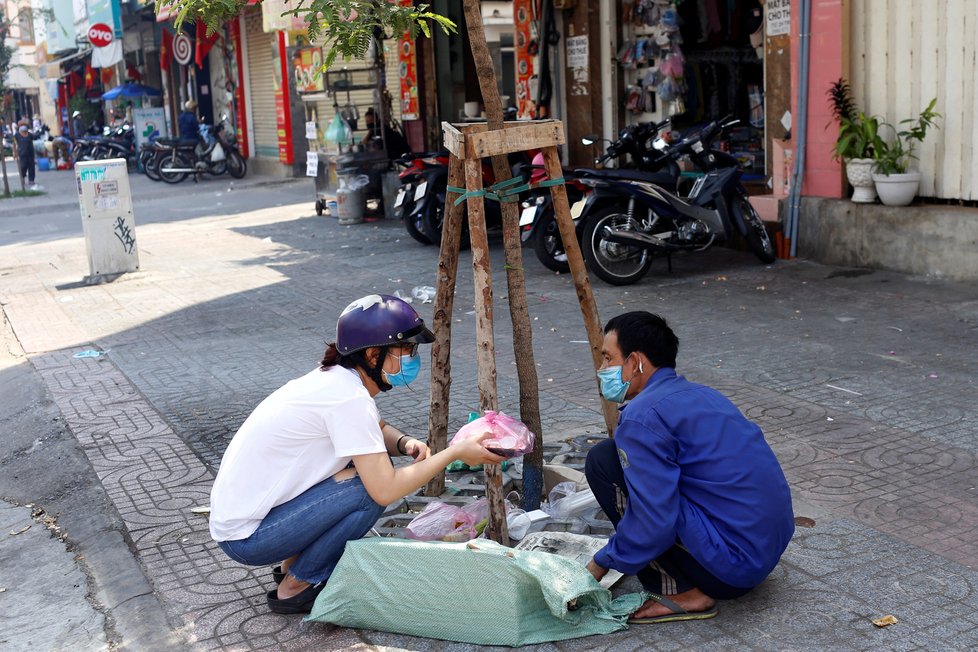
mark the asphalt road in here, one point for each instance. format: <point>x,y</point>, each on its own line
<point>56,214</point>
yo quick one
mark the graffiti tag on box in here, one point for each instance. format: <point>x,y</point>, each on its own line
<point>125,235</point>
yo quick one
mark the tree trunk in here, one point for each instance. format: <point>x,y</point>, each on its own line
<point>519,312</point>
<point>441,323</point>
<point>3,162</point>
<point>582,284</point>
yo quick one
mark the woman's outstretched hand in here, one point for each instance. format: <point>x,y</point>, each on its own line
<point>472,452</point>
<point>416,449</point>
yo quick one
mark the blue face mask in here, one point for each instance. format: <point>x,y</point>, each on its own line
<point>613,387</point>
<point>410,367</point>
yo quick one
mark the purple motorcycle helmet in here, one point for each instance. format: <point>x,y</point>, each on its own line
<point>379,320</point>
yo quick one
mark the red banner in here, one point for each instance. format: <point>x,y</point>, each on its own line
<point>283,110</point>
<point>240,112</point>
<point>204,43</point>
<point>526,48</point>
<point>166,48</point>
<point>407,72</point>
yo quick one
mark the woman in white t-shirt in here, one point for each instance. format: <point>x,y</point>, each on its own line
<point>310,468</point>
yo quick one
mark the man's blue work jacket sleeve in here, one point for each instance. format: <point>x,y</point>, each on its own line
<point>649,456</point>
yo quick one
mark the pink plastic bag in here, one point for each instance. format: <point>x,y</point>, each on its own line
<point>509,436</point>
<point>443,522</point>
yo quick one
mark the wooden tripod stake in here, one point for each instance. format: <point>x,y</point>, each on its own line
<point>468,145</point>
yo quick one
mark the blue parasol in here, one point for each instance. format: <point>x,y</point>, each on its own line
<point>130,89</point>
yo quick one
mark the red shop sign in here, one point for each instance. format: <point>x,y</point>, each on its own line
<point>100,35</point>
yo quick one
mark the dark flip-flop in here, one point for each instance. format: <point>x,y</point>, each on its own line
<point>678,613</point>
<point>300,603</point>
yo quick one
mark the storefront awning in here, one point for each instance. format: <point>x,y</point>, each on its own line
<point>21,79</point>
<point>52,69</point>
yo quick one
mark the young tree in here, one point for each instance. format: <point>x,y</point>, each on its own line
<point>6,54</point>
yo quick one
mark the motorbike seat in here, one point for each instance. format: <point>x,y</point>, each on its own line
<point>658,178</point>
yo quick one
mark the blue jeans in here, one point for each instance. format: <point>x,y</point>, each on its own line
<point>315,525</point>
<point>675,570</point>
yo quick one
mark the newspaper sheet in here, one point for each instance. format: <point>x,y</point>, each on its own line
<point>579,547</point>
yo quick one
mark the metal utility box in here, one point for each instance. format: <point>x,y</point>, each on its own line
<point>107,219</point>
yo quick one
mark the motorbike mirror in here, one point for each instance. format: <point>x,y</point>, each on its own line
<point>590,139</point>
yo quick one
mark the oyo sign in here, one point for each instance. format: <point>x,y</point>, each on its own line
<point>100,35</point>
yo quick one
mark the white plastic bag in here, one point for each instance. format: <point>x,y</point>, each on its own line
<point>566,501</point>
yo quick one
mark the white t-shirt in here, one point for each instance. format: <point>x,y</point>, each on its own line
<point>302,434</point>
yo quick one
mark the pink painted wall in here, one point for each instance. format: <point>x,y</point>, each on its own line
<point>823,176</point>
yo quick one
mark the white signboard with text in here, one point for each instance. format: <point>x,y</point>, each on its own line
<point>149,123</point>
<point>778,17</point>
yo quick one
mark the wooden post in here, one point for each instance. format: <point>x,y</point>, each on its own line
<point>585,297</point>
<point>485,347</point>
<point>441,323</point>
<point>526,368</point>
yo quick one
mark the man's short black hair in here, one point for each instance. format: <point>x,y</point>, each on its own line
<point>647,333</point>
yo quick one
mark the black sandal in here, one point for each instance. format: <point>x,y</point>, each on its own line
<point>300,603</point>
<point>278,575</point>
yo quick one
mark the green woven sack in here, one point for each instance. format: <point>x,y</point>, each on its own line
<point>486,595</point>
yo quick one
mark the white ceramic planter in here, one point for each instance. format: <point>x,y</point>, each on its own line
<point>897,189</point>
<point>860,174</point>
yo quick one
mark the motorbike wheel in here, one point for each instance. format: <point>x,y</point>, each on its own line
<point>613,263</point>
<point>548,246</point>
<point>176,160</point>
<point>757,237</point>
<point>151,165</point>
<point>433,221</point>
<point>412,224</point>
<point>236,165</point>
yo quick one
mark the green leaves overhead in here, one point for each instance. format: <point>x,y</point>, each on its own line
<point>344,27</point>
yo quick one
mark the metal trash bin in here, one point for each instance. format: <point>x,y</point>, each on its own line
<point>351,200</point>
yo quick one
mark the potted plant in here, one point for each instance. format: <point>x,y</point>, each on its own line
<point>896,182</point>
<point>858,141</point>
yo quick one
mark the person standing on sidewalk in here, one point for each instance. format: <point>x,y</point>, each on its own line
<point>25,155</point>
<point>701,508</point>
<point>310,468</point>
<point>187,121</point>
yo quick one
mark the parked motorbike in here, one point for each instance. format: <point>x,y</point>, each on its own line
<point>639,145</point>
<point>211,154</point>
<point>627,220</point>
<point>118,142</point>
<point>412,177</point>
<point>431,193</point>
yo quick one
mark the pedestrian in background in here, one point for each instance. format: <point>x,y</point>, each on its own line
<point>77,125</point>
<point>187,121</point>
<point>25,155</point>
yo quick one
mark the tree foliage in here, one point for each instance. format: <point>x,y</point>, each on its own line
<point>6,53</point>
<point>344,27</point>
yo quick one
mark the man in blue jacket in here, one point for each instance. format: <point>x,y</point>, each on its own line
<point>701,508</point>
